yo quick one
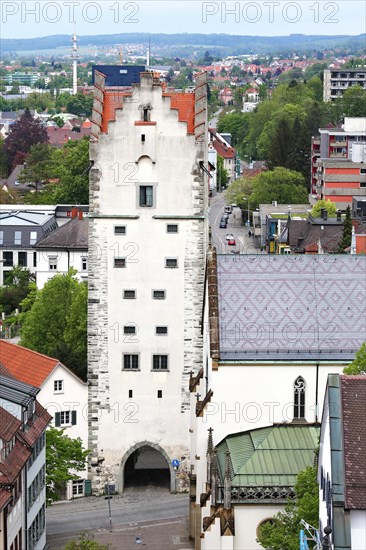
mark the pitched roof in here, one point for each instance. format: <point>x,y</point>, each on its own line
<point>5,497</point>
<point>353,395</point>
<point>9,425</point>
<point>26,365</point>
<point>14,463</point>
<point>303,235</point>
<point>73,234</point>
<point>271,456</point>
<point>291,307</point>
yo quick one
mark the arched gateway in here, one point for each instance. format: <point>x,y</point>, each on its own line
<point>146,463</point>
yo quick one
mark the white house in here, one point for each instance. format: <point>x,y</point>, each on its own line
<point>275,327</point>
<point>147,234</point>
<point>62,394</point>
<point>64,248</point>
<point>342,463</point>
<point>23,422</point>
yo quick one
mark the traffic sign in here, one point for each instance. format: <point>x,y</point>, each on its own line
<point>175,463</point>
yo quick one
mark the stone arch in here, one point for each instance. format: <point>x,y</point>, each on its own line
<point>154,446</point>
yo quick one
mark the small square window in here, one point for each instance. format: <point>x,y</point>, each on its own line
<point>160,394</point>
<point>171,262</point>
<point>129,294</point>
<point>160,362</point>
<point>84,264</point>
<point>146,195</point>
<point>130,361</point>
<point>159,294</point>
<point>130,393</point>
<point>129,329</point>
<point>58,386</point>
<point>78,487</point>
<point>161,330</point>
<point>52,262</point>
<point>22,259</point>
<point>120,230</point>
<point>172,228</point>
<point>119,262</point>
<point>142,138</point>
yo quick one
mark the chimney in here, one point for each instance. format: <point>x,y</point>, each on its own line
<point>325,214</point>
<point>80,215</point>
<point>74,212</point>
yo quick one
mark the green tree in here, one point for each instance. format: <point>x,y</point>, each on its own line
<point>353,102</point>
<point>85,542</point>
<point>63,456</point>
<point>16,289</point>
<point>236,124</point>
<point>4,168</point>
<point>239,192</point>
<point>70,166</point>
<point>222,175</point>
<point>283,532</point>
<point>358,365</point>
<point>56,323</point>
<point>346,238</point>
<point>80,104</point>
<point>281,185</point>
<point>329,206</point>
<point>38,168</point>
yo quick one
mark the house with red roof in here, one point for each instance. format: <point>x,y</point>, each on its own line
<point>62,393</point>
<point>224,150</point>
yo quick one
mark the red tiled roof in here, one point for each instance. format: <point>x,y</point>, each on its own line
<point>112,100</point>
<point>26,365</point>
<point>184,103</point>
<point>5,497</point>
<point>60,136</point>
<point>14,463</point>
<point>9,425</point>
<point>353,395</point>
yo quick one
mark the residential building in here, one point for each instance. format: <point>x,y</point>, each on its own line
<point>275,327</point>
<point>22,78</point>
<point>341,466</point>
<point>20,229</point>
<point>147,235</point>
<point>336,81</point>
<point>23,422</point>
<point>63,394</point>
<point>270,219</point>
<point>225,151</point>
<point>250,100</point>
<point>64,248</point>
<point>337,144</point>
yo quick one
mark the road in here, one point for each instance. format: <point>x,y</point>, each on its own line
<point>244,244</point>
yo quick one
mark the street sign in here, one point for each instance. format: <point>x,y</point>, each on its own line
<point>175,463</point>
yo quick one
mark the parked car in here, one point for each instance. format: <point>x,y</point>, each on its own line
<point>223,224</point>
<point>228,209</point>
<point>231,242</point>
<point>229,236</point>
<point>225,217</point>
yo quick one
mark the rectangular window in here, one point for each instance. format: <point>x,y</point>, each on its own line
<point>172,228</point>
<point>160,362</point>
<point>1,238</point>
<point>160,394</point>
<point>34,259</point>
<point>84,264</point>
<point>159,294</point>
<point>119,262</point>
<point>65,418</point>
<point>120,230</point>
<point>8,259</point>
<point>146,195</point>
<point>52,262</point>
<point>33,237</point>
<point>22,259</point>
<point>17,237</point>
<point>129,329</point>
<point>171,262</point>
<point>143,138</point>
<point>129,294</point>
<point>130,393</point>
<point>161,330</point>
<point>77,487</point>
<point>363,184</point>
<point>58,386</point>
<point>130,361</point>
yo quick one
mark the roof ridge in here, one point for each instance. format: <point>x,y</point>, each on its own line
<point>2,342</point>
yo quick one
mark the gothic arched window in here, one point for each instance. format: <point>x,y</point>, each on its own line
<point>299,398</point>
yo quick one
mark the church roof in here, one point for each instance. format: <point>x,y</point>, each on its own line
<point>293,307</point>
<point>271,456</point>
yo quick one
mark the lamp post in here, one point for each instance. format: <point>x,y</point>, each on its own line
<point>326,540</point>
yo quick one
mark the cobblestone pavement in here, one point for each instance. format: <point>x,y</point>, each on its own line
<point>149,515</point>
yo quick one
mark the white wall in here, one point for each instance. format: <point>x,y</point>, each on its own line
<point>358,529</point>
<point>65,260</point>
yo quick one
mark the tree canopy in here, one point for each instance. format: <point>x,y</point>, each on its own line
<point>358,365</point>
<point>86,542</point>
<point>24,133</point>
<point>346,238</point>
<point>283,532</point>
<point>56,323</point>
<point>64,455</point>
<point>15,289</point>
<point>281,185</point>
<point>328,205</point>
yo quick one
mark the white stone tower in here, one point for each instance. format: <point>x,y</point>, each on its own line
<point>147,241</point>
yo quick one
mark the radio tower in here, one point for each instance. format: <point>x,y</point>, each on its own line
<point>75,57</point>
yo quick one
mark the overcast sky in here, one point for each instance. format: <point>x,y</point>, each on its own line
<point>25,19</point>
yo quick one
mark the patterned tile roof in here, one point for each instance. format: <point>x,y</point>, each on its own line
<point>9,425</point>
<point>26,365</point>
<point>5,497</point>
<point>14,463</point>
<point>284,305</point>
<point>353,395</point>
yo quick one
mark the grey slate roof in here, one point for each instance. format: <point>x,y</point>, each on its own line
<point>73,234</point>
<point>291,307</point>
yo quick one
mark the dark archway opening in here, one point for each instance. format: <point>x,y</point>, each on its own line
<point>146,467</point>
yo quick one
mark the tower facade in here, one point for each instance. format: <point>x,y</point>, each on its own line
<point>147,239</point>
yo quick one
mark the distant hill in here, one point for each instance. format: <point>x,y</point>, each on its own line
<point>228,44</point>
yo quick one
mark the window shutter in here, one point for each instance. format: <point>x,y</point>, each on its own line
<point>73,418</point>
<point>57,420</point>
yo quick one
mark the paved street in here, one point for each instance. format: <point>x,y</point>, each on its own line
<point>244,243</point>
<point>159,517</point>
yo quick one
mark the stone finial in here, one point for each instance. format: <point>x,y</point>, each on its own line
<point>214,478</point>
<point>209,454</point>
<point>227,482</point>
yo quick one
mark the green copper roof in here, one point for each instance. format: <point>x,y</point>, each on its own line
<point>269,456</point>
